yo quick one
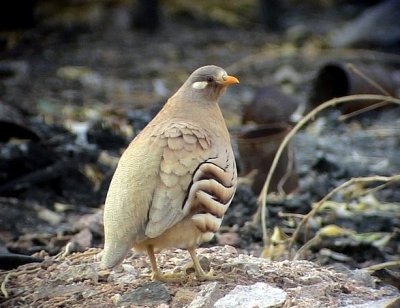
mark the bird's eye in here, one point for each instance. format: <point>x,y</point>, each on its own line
<point>210,79</point>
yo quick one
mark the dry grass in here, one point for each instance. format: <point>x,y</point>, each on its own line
<point>262,199</point>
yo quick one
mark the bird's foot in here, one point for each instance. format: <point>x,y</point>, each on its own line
<point>182,276</point>
<point>169,277</point>
<point>203,276</point>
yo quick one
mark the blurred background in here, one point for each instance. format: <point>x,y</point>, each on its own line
<point>79,79</point>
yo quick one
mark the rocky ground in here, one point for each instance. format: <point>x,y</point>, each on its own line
<point>76,281</point>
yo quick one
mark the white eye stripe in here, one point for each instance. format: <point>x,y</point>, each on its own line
<point>199,85</point>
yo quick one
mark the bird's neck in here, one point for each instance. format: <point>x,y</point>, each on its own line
<point>194,112</point>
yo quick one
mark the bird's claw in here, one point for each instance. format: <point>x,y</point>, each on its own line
<point>208,276</point>
<point>168,277</point>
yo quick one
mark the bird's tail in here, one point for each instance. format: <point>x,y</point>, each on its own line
<point>114,254</point>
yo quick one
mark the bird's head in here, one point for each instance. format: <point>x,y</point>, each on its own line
<point>209,82</point>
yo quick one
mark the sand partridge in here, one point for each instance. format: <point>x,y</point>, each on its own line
<point>176,179</point>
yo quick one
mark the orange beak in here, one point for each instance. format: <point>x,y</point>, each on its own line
<point>228,80</point>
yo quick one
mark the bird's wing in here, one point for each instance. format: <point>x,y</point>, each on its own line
<point>184,148</point>
<point>189,160</point>
<point>212,190</point>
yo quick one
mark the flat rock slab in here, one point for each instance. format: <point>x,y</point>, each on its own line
<point>260,295</point>
<point>150,294</point>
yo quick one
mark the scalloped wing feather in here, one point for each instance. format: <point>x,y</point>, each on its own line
<point>186,148</point>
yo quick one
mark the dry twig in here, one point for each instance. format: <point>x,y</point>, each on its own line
<point>15,274</point>
<point>262,199</point>
<point>350,182</point>
<point>380,266</point>
<point>373,83</point>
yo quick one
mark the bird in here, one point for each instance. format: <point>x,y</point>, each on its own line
<point>175,180</point>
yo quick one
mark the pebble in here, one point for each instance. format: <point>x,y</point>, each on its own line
<point>207,296</point>
<point>78,273</point>
<point>260,294</point>
<point>150,294</point>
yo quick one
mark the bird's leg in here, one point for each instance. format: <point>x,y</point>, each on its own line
<point>200,273</point>
<point>156,273</point>
<point>154,267</point>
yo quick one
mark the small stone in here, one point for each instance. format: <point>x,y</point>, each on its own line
<point>123,273</point>
<point>184,296</point>
<point>260,295</point>
<point>386,302</point>
<point>92,221</point>
<point>82,240</point>
<point>310,280</point>
<point>251,266</point>
<point>116,299</point>
<point>130,269</point>
<point>150,294</point>
<point>228,238</point>
<point>229,250</point>
<point>207,296</point>
<point>78,273</point>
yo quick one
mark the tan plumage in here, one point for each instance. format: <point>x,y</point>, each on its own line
<point>176,179</point>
